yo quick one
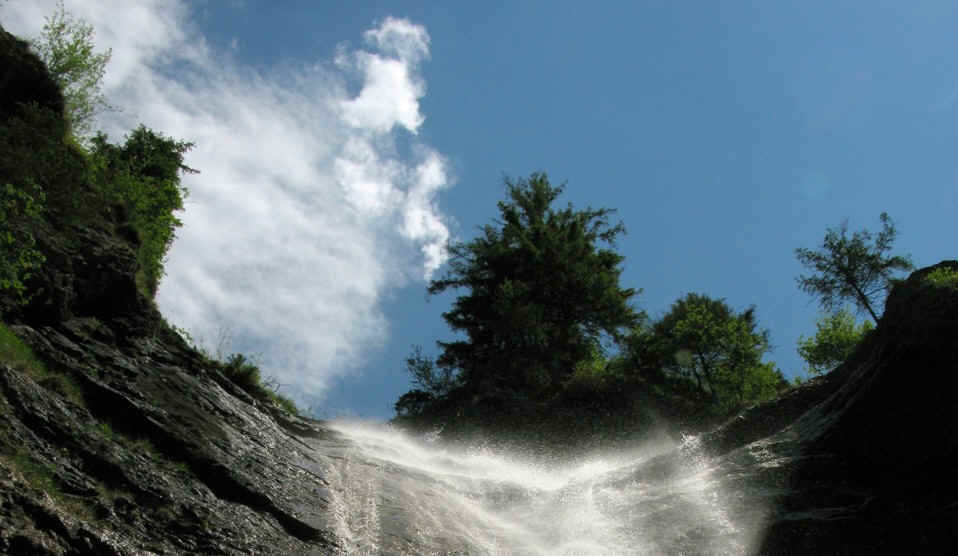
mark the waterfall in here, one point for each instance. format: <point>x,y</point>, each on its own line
<point>396,494</point>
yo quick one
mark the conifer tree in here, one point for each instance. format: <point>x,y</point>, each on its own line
<point>540,293</point>
<point>853,268</point>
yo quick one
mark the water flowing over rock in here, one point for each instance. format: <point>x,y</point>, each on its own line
<point>165,456</point>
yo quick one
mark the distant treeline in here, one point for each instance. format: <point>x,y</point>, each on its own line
<point>546,333</point>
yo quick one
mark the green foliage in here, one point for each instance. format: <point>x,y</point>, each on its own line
<point>836,337</point>
<point>19,256</point>
<point>15,353</point>
<point>541,294</point>
<point>37,159</point>
<point>854,269</point>
<point>18,355</point>
<point>705,343</point>
<point>134,186</point>
<point>595,374</point>
<point>241,371</point>
<point>943,277</point>
<point>542,297</point>
<point>66,46</point>
<point>413,402</point>
<point>140,182</point>
<point>434,380</point>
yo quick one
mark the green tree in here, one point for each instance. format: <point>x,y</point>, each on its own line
<point>140,182</point>
<point>66,46</point>
<point>19,257</point>
<point>836,337</point>
<point>719,350</point>
<point>430,378</point>
<point>541,294</point>
<point>854,268</point>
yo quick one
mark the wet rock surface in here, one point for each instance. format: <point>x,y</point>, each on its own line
<point>133,443</point>
<point>140,449</point>
<point>116,437</point>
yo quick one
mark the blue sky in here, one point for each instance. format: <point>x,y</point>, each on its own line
<point>341,142</point>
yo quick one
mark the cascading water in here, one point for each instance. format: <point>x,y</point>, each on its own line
<point>399,495</point>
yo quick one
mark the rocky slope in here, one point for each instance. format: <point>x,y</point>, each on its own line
<point>127,441</point>
<point>116,437</point>
<point>866,453</point>
<point>132,443</point>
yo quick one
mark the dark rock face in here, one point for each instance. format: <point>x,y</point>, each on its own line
<point>131,442</point>
<point>155,454</point>
<point>871,448</point>
<point>89,272</point>
<point>24,78</point>
<point>159,455</point>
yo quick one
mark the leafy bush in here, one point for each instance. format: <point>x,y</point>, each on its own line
<point>18,253</point>
<point>943,277</point>
<point>33,159</point>
<point>54,170</point>
<point>43,171</point>
<point>242,372</point>
<point>18,355</point>
<point>836,337</point>
<point>140,181</point>
<point>593,375</point>
<point>15,353</point>
<point>707,342</point>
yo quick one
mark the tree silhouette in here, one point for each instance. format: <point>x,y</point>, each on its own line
<point>852,268</point>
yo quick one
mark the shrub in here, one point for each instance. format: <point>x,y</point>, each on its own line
<point>18,355</point>
<point>242,372</point>
<point>836,337</point>
<point>139,181</point>
<point>19,256</point>
<point>943,277</point>
<point>15,353</point>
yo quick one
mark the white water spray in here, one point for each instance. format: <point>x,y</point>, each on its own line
<point>400,495</point>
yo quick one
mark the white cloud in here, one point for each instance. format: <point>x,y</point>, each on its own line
<point>406,40</point>
<point>392,88</point>
<point>304,215</point>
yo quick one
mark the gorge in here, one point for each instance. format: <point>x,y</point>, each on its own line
<point>133,444</point>
<point>117,437</point>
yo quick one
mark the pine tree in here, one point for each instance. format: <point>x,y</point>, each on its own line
<point>540,294</point>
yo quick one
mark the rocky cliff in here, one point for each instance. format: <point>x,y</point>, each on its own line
<point>116,437</point>
<point>867,452</point>
<point>121,439</point>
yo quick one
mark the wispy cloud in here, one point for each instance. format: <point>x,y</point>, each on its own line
<point>304,215</point>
